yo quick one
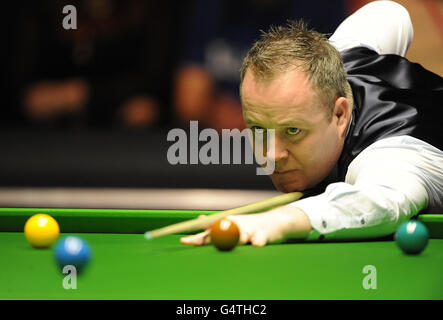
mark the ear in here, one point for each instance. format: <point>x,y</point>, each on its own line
<point>342,114</point>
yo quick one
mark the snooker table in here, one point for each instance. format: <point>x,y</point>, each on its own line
<point>126,266</point>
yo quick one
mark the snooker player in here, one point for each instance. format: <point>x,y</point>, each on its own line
<point>356,128</point>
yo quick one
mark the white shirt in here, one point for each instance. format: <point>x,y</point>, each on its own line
<point>386,184</point>
<point>394,178</point>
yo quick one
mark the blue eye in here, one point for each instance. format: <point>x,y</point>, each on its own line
<point>292,131</point>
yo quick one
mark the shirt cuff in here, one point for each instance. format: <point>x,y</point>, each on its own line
<point>322,217</point>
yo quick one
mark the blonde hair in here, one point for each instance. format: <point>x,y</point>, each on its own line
<point>294,46</point>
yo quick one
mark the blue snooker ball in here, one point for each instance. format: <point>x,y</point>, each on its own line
<point>412,237</point>
<point>72,250</point>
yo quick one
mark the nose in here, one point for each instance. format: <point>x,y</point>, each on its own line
<point>276,150</point>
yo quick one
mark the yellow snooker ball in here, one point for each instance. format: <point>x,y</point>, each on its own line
<point>41,230</point>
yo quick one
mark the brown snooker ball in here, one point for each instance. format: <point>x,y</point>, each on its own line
<point>225,235</point>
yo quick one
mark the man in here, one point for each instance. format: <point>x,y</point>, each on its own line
<point>352,121</point>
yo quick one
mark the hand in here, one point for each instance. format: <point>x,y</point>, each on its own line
<point>259,229</point>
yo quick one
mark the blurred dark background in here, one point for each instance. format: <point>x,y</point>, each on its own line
<point>92,107</point>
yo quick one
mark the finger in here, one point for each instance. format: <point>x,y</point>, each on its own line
<point>245,233</point>
<point>259,239</point>
<point>245,237</point>
<point>197,239</point>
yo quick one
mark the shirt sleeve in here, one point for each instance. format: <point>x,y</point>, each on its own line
<point>388,183</point>
<point>382,26</point>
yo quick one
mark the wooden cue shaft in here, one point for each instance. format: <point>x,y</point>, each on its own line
<point>203,223</point>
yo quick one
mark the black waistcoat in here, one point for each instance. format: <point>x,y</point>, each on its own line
<point>392,97</point>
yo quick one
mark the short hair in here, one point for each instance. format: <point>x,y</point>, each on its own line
<point>294,46</point>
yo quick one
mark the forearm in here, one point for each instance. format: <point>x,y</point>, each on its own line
<point>350,212</point>
<point>390,182</point>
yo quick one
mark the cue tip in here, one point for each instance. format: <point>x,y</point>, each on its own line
<point>148,235</point>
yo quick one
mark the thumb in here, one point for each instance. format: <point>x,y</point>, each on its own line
<point>197,239</point>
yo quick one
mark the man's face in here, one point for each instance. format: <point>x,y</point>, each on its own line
<point>307,142</point>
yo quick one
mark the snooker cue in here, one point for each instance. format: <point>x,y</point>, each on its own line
<point>203,223</point>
